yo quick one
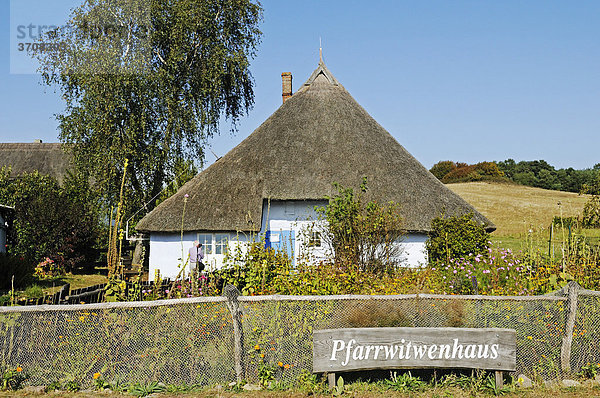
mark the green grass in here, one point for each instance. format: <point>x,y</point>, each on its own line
<point>41,287</point>
<point>523,215</point>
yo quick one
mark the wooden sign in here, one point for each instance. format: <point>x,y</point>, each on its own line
<point>336,350</point>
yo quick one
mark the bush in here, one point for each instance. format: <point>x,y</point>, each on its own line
<point>455,237</point>
<point>440,169</point>
<point>362,234</point>
<point>59,222</point>
<point>591,213</point>
<point>476,172</point>
<point>254,270</point>
<point>19,267</point>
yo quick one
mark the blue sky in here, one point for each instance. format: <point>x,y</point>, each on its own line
<point>460,80</point>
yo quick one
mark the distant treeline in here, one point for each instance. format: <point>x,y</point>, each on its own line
<point>534,173</point>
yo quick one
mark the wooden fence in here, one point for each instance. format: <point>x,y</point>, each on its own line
<point>86,295</point>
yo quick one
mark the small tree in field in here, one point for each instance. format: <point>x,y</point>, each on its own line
<point>366,235</point>
<point>591,211</point>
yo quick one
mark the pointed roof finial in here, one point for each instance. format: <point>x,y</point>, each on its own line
<point>320,51</point>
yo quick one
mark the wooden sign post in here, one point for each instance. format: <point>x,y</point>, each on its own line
<point>343,350</point>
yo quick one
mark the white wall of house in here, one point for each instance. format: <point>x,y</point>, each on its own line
<point>292,226</point>
<point>166,250</point>
<point>414,253</point>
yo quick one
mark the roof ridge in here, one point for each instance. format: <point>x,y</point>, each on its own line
<point>321,69</point>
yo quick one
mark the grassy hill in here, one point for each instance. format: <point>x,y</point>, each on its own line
<point>516,209</point>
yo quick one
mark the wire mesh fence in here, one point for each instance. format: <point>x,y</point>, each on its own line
<point>192,341</point>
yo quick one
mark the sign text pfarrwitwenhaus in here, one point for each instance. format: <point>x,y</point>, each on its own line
<point>336,350</point>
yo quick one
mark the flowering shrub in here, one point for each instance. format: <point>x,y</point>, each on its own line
<point>48,269</point>
<point>11,378</point>
<point>498,273</point>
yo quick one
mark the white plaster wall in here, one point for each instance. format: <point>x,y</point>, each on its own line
<point>298,217</point>
<point>414,253</point>
<point>166,252</point>
<point>280,214</point>
<point>301,217</point>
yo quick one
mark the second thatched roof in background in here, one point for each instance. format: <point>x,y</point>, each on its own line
<point>46,158</point>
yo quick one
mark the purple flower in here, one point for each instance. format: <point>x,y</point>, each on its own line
<point>186,196</point>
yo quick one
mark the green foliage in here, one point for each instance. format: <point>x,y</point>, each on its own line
<point>363,234</point>
<point>142,390</point>
<point>540,174</point>
<point>254,269</point>
<point>19,267</point>
<point>536,173</point>
<point>58,222</point>
<point>115,290</point>
<point>440,169</point>
<point>589,371</point>
<point>483,171</point>
<point>338,389</point>
<point>405,382</point>
<point>455,237</point>
<point>310,383</point>
<point>151,91</point>
<point>266,373</point>
<point>71,386</point>
<point>184,170</point>
<point>34,291</point>
<point>591,213</point>
<point>11,378</point>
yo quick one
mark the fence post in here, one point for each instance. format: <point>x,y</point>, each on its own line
<point>572,291</point>
<point>232,293</point>
<point>63,293</point>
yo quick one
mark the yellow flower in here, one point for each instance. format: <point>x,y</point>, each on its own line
<point>96,375</point>
<point>287,366</point>
<point>262,355</point>
<point>257,347</point>
<point>19,369</point>
<point>530,338</point>
<point>82,318</point>
<point>280,364</point>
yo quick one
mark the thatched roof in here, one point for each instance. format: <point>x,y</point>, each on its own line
<point>46,158</point>
<point>318,136</point>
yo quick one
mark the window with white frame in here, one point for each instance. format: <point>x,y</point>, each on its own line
<point>207,242</point>
<point>214,243</point>
<point>221,243</point>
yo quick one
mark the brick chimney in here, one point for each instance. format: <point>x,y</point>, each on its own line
<point>286,85</point>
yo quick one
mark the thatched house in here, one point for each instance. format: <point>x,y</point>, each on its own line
<point>272,180</point>
<point>46,158</point>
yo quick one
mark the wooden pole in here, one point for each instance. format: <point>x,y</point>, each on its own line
<point>232,293</point>
<point>331,380</point>
<point>499,379</point>
<point>567,341</point>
